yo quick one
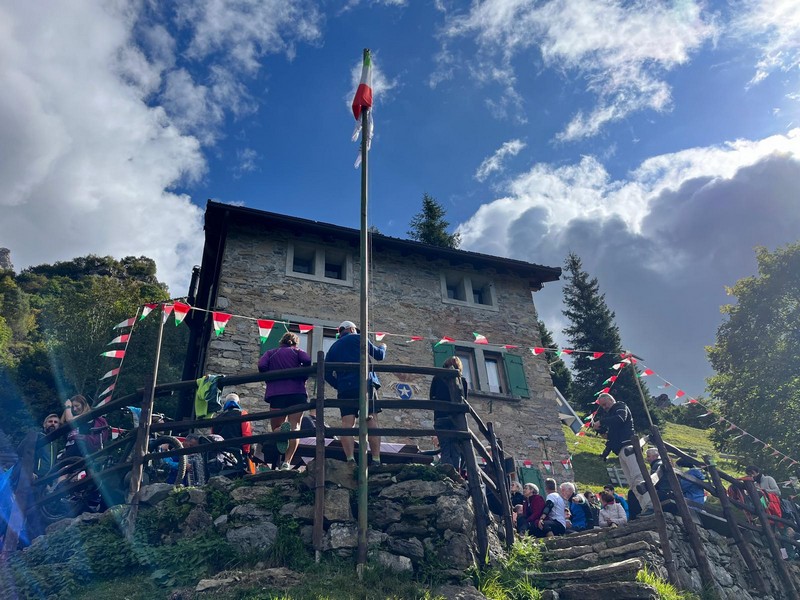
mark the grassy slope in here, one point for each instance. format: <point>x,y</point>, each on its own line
<point>590,470</point>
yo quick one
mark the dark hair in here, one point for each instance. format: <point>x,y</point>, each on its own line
<point>685,463</point>
<point>550,484</point>
<point>607,497</point>
<point>289,339</point>
<point>752,469</point>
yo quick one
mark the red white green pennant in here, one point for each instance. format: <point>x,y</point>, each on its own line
<point>379,335</point>
<point>415,338</point>
<point>125,323</point>
<point>537,351</point>
<point>111,373</point>
<point>108,389</point>
<point>220,320</point>
<point>265,328</point>
<point>444,340</point>
<point>120,339</point>
<point>147,309</point>
<point>181,310</point>
<point>480,339</point>
<point>596,355</point>
<point>113,354</point>
<point>548,466</point>
<point>166,311</point>
<point>305,328</point>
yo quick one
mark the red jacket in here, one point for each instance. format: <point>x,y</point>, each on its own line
<point>532,508</point>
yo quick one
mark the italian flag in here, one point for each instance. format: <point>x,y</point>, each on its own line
<point>566,351</point>
<point>445,340</point>
<point>120,339</point>
<point>220,319</point>
<point>363,97</point>
<point>114,354</point>
<point>415,338</point>
<point>596,355</point>
<point>679,394</point>
<point>108,389</point>
<point>379,335</point>
<point>166,311</point>
<point>111,373</point>
<point>480,339</point>
<point>646,373</point>
<point>147,309</point>
<point>510,347</point>
<point>305,328</point>
<point>537,351</point>
<point>265,328</point>
<point>181,310</point>
<point>125,323</point>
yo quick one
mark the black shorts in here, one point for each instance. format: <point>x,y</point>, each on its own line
<point>373,410</point>
<point>286,400</point>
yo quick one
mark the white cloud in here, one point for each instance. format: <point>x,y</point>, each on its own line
<point>494,163</point>
<point>663,241</point>
<point>621,49</point>
<point>774,26</point>
<point>102,117</point>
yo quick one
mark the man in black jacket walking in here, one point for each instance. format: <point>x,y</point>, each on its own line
<point>614,419</point>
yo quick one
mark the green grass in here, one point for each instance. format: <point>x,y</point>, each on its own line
<point>126,588</point>
<point>666,591</point>
<point>507,580</point>
<point>590,470</point>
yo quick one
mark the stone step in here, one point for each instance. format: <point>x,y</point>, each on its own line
<point>600,545</point>
<point>593,536</point>
<point>626,590</point>
<point>606,555</point>
<point>621,571</point>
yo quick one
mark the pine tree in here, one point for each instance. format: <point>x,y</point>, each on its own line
<point>592,328</point>
<point>562,378</point>
<point>429,226</point>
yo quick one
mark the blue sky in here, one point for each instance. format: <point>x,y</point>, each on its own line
<point>659,140</point>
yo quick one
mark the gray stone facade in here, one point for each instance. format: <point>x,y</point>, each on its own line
<point>406,298</point>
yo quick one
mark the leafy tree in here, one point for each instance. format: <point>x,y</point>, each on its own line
<point>562,377</point>
<point>429,226</point>
<point>756,358</point>
<point>592,328</point>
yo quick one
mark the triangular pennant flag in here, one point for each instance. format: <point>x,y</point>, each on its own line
<point>665,386</point>
<point>120,339</point>
<point>596,355</point>
<point>581,433</point>
<point>444,340</point>
<point>414,338</point>
<point>679,394</point>
<point>480,339</point>
<point>537,351</point>
<point>147,309</point>
<point>111,373</point>
<point>548,465</point>
<point>264,328</point>
<point>527,463</point>
<point>220,319</point>
<point>567,464</point>
<point>181,310</point>
<point>379,335</point>
<point>611,379</point>
<point>125,323</point>
<point>114,354</point>
<point>692,401</point>
<point>616,366</point>
<point>166,311</point>
<point>305,328</point>
<point>510,347</point>
<point>732,427</point>
<point>626,361</point>
<point>566,351</point>
<point>605,390</point>
<point>108,389</point>
<point>646,373</point>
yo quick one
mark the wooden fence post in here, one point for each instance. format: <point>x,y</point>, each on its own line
<point>741,544</point>
<point>502,485</point>
<point>658,512</point>
<point>319,459</point>
<point>769,535</point>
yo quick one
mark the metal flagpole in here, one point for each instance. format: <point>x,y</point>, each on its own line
<point>364,364</point>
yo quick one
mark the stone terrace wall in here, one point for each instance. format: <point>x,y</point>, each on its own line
<point>405,298</point>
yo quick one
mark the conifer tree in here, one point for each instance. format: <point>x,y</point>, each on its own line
<point>429,226</point>
<point>559,371</point>
<point>592,328</point>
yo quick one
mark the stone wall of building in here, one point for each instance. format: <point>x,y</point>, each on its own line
<point>405,298</point>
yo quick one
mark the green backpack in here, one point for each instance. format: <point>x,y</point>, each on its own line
<point>206,399</point>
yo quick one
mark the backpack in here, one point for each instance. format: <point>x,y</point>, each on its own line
<point>206,398</point>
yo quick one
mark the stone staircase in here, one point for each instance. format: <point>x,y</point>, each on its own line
<point>601,564</point>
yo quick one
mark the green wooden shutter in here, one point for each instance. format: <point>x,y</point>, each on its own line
<point>274,338</point>
<point>442,352</point>
<point>515,373</point>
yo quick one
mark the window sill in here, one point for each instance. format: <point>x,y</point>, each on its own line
<point>490,396</point>
<point>345,282</point>
<point>466,304</point>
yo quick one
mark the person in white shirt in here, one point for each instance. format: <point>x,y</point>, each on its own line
<point>553,520</point>
<point>764,482</point>
<point>611,514</point>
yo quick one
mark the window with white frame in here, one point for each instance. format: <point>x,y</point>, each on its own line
<point>468,289</point>
<point>487,371</point>
<point>320,263</point>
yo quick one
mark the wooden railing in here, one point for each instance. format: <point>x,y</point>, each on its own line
<point>471,433</point>
<point>770,528</point>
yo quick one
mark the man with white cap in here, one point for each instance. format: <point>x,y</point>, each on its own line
<point>348,349</point>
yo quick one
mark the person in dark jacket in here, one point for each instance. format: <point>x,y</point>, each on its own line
<point>283,393</point>
<point>653,458</point>
<point>88,437</point>
<point>347,349</point>
<point>440,390</point>
<point>581,517</point>
<point>532,508</point>
<point>45,456</point>
<point>615,421</point>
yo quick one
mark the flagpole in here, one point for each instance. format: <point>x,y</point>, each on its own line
<point>364,362</point>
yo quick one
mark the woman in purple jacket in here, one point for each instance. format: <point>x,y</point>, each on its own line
<point>283,393</point>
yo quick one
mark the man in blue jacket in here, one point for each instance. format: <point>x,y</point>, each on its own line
<point>348,349</point>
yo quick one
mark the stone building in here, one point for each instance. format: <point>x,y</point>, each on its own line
<point>264,265</point>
